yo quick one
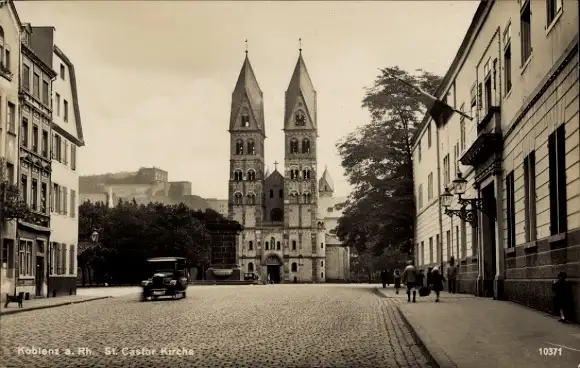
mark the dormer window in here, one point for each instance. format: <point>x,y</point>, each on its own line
<point>300,118</point>
<point>245,120</point>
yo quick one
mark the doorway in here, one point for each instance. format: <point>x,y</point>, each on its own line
<point>39,276</point>
<point>274,273</point>
<point>488,238</point>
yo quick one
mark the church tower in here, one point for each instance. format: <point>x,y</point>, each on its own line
<point>247,135</point>
<point>300,192</point>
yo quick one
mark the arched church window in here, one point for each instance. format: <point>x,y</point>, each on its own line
<point>250,245</point>
<point>306,197</point>
<point>306,174</point>
<point>267,246</point>
<point>293,244</point>
<point>293,145</point>
<point>294,267</point>
<point>238,175</point>
<point>278,245</point>
<point>251,175</point>
<point>281,193</point>
<point>239,147</point>
<point>305,145</point>
<point>250,267</point>
<point>251,198</point>
<point>300,118</point>
<point>238,199</point>
<point>271,193</point>
<point>251,147</point>
<point>245,120</point>
<point>294,174</point>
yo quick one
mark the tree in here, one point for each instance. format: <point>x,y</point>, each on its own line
<point>130,233</point>
<point>377,158</point>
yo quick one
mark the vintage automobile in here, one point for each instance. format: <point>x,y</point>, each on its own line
<point>169,278</point>
<point>250,276</point>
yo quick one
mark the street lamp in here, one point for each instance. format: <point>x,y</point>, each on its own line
<point>468,206</point>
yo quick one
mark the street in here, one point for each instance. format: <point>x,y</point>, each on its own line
<point>218,326</point>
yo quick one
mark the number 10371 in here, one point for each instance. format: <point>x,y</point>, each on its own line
<point>550,351</point>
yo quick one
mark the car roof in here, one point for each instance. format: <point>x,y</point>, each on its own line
<point>165,259</point>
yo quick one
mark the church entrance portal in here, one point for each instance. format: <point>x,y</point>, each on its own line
<point>274,273</point>
<point>274,269</point>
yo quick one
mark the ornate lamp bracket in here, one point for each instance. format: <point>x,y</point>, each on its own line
<point>467,215</point>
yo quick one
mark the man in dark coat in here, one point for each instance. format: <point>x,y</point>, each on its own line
<point>563,303</point>
<point>384,278</point>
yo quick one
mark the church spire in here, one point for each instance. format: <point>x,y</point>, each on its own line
<point>301,87</point>
<point>247,87</point>
<point>325,184</point>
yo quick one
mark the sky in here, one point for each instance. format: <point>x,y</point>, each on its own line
<point>155,79</point>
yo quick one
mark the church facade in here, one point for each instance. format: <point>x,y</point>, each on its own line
<point>283,213</point>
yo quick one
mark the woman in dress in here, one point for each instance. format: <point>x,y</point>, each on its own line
<point>436,282</point>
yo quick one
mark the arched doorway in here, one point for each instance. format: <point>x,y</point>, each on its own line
<point>274,268</point>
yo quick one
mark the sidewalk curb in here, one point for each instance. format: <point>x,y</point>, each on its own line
<point>430,346</point>
<point>22,310</point>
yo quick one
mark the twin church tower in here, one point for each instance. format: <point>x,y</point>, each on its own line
<point>284,237</point>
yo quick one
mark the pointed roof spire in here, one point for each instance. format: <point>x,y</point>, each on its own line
<point>247,85</point>
<point>301,86</point>
<point>325,184</point>
<point>267,172</point>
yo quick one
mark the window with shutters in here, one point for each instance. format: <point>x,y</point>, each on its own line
<point>64,200</point>
<point>55,198</point>
<point>479,96</point>
<point>73,203</point>
<point>473,96</point>
<point>530,196</point>
<point>71,259</point>
<point>420,196</point>
<point>65,148</point>
<point>55,258</point>
<point>73,157</point>
<point>430,186</point>
<point>63,259</point>
<point>526,32</point>
<point>446,171</point>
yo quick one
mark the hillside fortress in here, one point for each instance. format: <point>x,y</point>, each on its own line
<point>288,216</point>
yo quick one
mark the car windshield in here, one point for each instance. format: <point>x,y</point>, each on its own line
<point>161,267</point>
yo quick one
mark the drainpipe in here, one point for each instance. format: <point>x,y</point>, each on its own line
<point>440,213</point>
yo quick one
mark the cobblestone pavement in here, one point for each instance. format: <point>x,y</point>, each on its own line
<point>222,326</point>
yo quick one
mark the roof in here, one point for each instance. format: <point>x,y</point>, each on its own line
<point>275,174</point>
<point>75,96</point>
<point>464,48</point>
<point>301,86</point>
<point>326,180</point>
<point>247,85</point>
<point>165,259</point>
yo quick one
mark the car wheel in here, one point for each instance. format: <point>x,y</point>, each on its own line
<point>184,295</point>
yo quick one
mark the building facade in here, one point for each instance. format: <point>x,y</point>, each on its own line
<point>67,138</point>
<point>35,166</point>
<point>282,238</point>
<point>516,75</point>
<point>9,147</point>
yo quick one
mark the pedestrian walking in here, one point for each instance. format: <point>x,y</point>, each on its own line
<point>397,277</point>
<point>409,278</point>
<point>451,276</point>
<point>384,278</point>
<point>563,297</point>
<point>429,272</point>
<point>421,278</point>
<point>436,282</point>
<point>269,279</point>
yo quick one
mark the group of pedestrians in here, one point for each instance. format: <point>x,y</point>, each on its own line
<point>417,281</point>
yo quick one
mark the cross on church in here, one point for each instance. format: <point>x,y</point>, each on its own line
<point>246,45</point>
<point>300,43</point>
<point>275,165</point>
